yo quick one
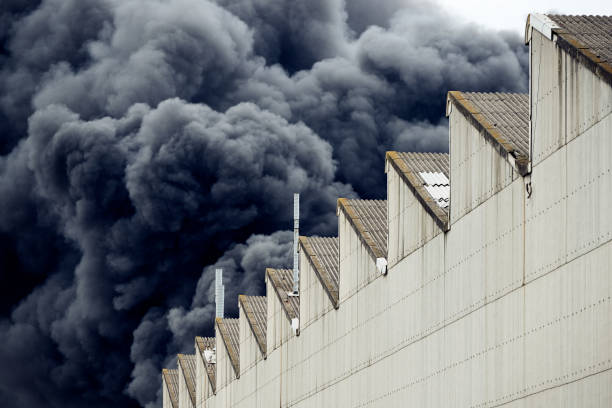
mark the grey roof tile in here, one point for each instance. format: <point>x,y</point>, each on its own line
<point>427,174</point>
<point>256,311</point>
<point>230,334</point>
<point>369,217</point>
<point>187,365</point>
<point>207,343</point>
<point>282,282</point>
<point>322,252</point>
<point>594,33</point>
<point>171,378</point>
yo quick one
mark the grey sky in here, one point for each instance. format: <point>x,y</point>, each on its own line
<point>511,15</point>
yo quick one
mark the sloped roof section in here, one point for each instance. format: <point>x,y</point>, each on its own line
<point>171,379</point>
<point>503,118</point>
<point>323,255</point>
<point>207,343</point>
<point>427,175</point>
<point>256,311</point>
<point>587,38</point>
<point>187,365</point>
<point>369,217</point>
<point>282,282</point>
<point>230,334</point>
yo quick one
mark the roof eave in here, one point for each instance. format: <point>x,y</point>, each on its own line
<point>433,209</point>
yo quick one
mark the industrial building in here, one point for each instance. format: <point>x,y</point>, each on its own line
<point>484,279</point>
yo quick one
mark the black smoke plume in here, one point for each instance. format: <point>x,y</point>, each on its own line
<point>145,142</point>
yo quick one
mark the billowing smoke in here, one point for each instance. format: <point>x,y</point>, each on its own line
<point>144,143</point>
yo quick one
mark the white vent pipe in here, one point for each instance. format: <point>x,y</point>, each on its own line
<point>219,293</point>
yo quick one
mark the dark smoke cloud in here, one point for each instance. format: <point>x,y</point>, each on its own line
<point>145,143</point>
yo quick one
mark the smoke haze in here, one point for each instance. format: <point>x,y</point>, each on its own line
<point>145,142</point>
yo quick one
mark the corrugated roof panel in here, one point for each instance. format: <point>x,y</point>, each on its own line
<point>369,218</point>
<point>428,176</point>
<point>188,366</point>
<point>593,33</point>
<point>282,281</point>
<point>208,343</point>
<point>326,249</point>
<point>324,255</point>
<point>205,343</point>
<point>230,333</point>
<point>256,311</point>
<point>171,378</point>
<point>438,187</point>
<point>506,112</point>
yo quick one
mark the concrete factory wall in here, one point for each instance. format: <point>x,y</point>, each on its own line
<point>512,305</point>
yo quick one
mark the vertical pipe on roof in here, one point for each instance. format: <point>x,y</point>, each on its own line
<point>296,233</point>
<point>219,293</point>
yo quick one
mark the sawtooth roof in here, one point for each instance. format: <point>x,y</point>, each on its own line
<point>230,334</point>
<point>503,117</point>
<point>171,379</point>
<point>369,217</point>
<point>589,38</point>
<point>188,367</point>
<point>256,310</point>
<point>282,282</point>
<point>410,166</point>
<point>207,343</point>
<point>323,255</point>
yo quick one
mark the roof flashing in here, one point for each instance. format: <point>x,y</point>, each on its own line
<point>540,22</point>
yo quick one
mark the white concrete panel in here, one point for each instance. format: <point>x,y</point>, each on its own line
<point>477,170</point>
<point>410,225</point>
<point>545,212</point>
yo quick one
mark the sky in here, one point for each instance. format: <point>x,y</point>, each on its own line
<point>512,15</point>
<point>144,143</point>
